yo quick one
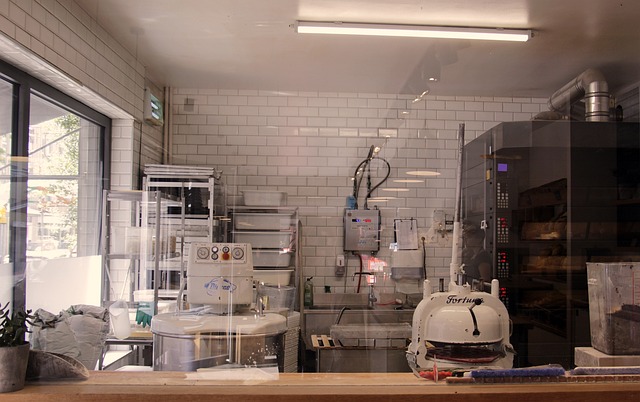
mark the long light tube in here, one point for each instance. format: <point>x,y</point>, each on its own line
<point>413,31</point>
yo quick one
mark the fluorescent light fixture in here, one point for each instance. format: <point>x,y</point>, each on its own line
<point>413,31</point>
<point>381,199</point>
<point>422,173</point>
<point>408,181</point>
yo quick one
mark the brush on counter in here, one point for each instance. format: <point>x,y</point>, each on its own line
<point>525,374</point>
<point>549,373</point>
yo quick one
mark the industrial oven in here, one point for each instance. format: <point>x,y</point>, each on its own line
<point>551,196</point>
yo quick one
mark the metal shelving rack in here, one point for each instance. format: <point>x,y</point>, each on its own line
<point>128,246</point>
<point>202,190</point>
<point>162,267</point>
<point>200,216</point>
<point>129,233</point>
<point>114,229</point>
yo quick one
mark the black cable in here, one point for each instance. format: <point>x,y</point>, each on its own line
<point>360,272</point>
<point>356,182</point>
<point>380,183</point>
<point>424,257</point>
<point>371,152</point>
<point>366,199</point>
<point>365,164</point>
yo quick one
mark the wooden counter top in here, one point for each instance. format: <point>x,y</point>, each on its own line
<point>106,386</point>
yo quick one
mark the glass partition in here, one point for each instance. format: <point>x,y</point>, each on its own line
<point>6,267</point>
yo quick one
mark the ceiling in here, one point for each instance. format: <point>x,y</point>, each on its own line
<point>250,44</point>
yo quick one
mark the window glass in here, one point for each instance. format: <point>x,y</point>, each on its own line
<point>52,151</point>
<point>6,268</point>
<point>63,189</point>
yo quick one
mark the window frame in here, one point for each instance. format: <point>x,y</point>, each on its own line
<point>24,87</point>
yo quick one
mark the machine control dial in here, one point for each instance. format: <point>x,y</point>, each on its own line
<point>237,253</point>
<point>203,253</point>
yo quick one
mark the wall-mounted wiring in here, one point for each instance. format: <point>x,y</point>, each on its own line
<point>358,175</point>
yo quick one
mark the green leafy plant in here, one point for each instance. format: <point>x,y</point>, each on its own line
<point>13,327</point>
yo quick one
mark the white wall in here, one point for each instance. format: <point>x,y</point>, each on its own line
<point>309,144</point>
<point>61,33</point>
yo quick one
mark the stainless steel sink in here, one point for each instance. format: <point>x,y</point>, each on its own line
<point>362,360</point>
<point>386,335</point>
<point>358,353</point>
<point>320,321</point>
<point>369,355</point>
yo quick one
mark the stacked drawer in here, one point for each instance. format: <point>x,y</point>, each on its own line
<point>272,237</point>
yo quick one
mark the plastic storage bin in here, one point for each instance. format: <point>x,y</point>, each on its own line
<point>264,239</point>
<point>271,258</point>
<point>256,221</point>
<point>614,307</point>
<point>278,297</point>
<point>264,198</point>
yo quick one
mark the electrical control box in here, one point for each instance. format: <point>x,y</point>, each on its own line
<point>362,230</point>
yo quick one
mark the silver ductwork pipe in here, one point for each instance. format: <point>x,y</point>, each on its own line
<point>589,85</point>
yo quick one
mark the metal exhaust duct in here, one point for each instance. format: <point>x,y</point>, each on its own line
<point>589,85</point>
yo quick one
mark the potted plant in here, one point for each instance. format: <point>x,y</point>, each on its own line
<point>14,350</point>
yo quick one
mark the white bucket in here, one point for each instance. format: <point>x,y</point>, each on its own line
<point>119,312</point>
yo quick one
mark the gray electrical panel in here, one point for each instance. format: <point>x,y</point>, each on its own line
<point>362,230</point>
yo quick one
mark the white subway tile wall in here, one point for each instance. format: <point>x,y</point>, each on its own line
<point>309,144</point>
<point>89,64</point>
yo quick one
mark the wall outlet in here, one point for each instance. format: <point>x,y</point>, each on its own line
<point>340,261</point>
